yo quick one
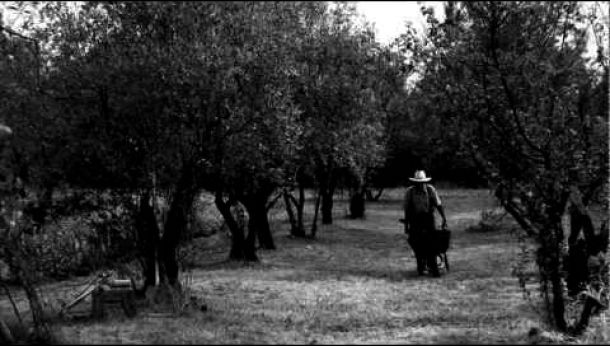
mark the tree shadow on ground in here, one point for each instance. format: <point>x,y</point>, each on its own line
<point>391,275</point>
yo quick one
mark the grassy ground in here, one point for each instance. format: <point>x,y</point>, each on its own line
<point>355,284</point>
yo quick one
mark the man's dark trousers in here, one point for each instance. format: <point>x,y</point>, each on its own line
<point>421,227</point>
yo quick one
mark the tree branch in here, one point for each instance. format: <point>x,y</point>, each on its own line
<point>272,202</point>
<point>517,214</point>
<point>10,298</point>
<point>14,33</point>
<point>511,99</point>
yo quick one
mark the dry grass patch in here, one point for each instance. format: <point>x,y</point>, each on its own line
<point>355,284</point>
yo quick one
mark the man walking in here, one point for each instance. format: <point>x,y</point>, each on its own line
<point>420,201</point>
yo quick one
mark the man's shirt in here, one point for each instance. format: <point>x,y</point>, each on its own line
<point>417,201</point>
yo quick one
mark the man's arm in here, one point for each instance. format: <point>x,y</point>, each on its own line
<point>441,211</point>
<point>405,207</point>
<point>439,207</point>
<point>406,222</point>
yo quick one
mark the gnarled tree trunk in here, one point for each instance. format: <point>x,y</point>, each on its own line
<point>258,224</point>
<point>296,221</point>
<point>148,240</point>
<point>327,190</point>
<point>357,202</point>
<point>235,227</point>
<point>290,212</point>
<point>19,267</point>
<point>573,266</point>
<point>579,274</point>
<point>250,242</point>
<point>176,223</point>
<point>301,207</point>
<point>327,207</point>
<point>314,224</point>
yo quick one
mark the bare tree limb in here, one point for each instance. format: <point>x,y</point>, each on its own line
<point>511,99</point>
<point>516,213</point>
<point>273,201</point>
<point>10,298</point>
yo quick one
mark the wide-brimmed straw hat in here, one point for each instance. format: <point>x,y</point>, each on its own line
<point>420,177</point>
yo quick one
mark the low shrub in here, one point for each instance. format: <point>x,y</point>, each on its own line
<point>492,220</point>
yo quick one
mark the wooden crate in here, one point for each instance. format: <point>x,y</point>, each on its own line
<point>114,293</point>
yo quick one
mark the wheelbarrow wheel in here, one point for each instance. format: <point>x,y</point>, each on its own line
<point>442,259</point>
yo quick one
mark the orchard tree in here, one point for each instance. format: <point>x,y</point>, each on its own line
<point>415,137</point>
<point>125,69</point>
<point>251,164</point>
<point>31,158</point>
<point>166,88</point>
<point>341,120</point>
<point>512,87</point>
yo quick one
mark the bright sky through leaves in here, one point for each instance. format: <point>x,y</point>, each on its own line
<point>389,17</point>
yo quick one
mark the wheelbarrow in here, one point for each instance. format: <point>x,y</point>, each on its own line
<point>438,242</point>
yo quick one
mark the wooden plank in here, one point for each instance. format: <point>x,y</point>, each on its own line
<point>120,283</point>
<point>79,299</point>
